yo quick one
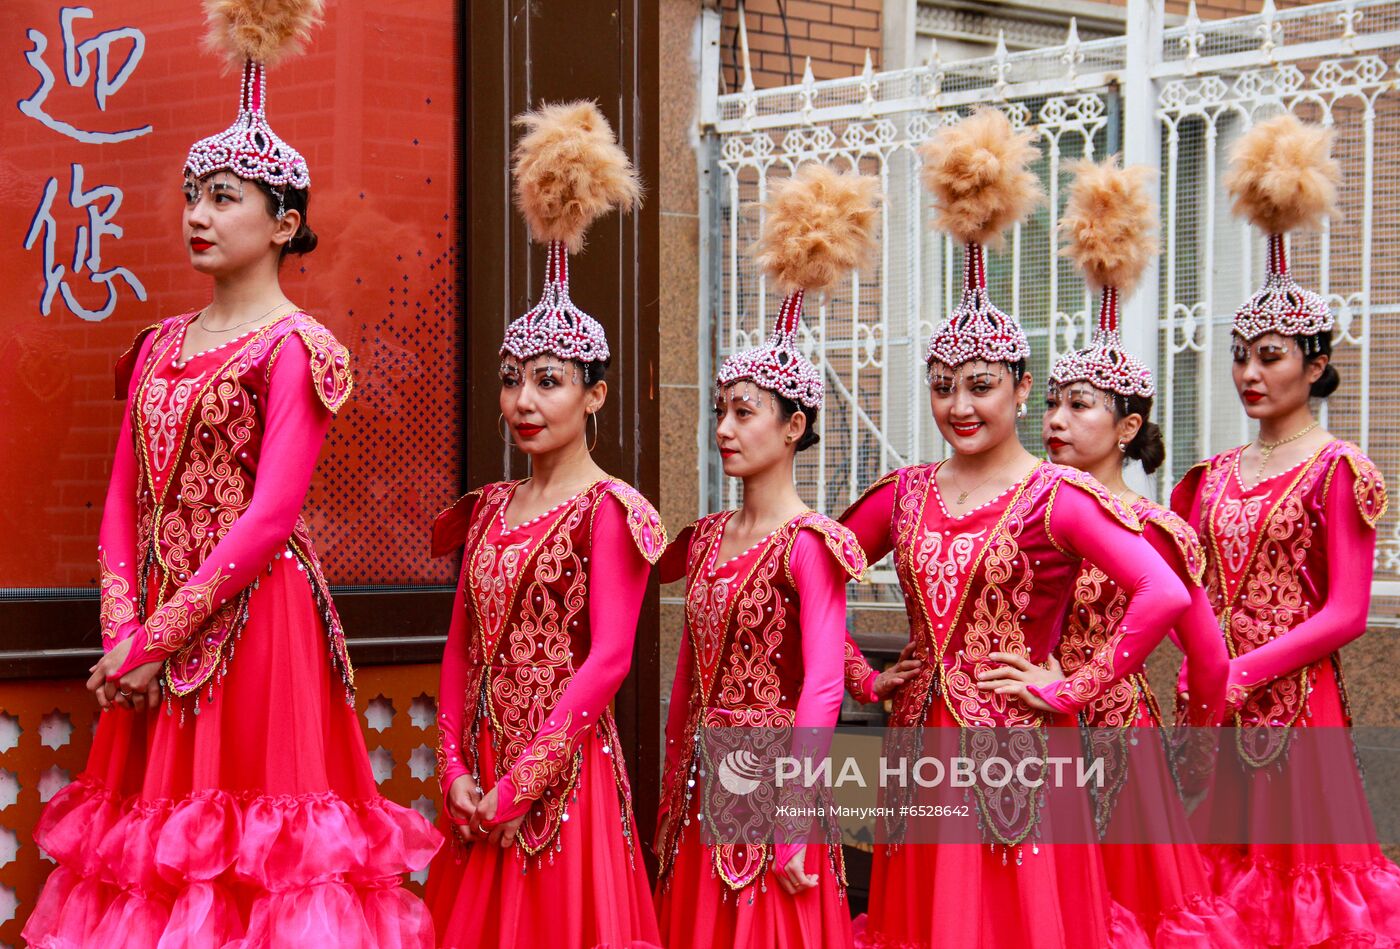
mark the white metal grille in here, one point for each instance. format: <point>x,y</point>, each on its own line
<point>1189,92</point>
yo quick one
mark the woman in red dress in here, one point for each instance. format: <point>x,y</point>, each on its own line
<point>554,569</point>
<point>765,610</point>
<point>986,547</point>
<point>228,798</point>
<point>1278,518</point>
<point>1096,419</point>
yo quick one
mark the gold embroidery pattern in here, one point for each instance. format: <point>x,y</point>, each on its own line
<point>740,629</point>
<point>527,605</point>
<point>643,521</point>
<point>858,671</point>
<point>1368,486</point>
<point>1262,593</point>
<point>544,760</point>
<point>1086,650</point>
<point>117,607</point>
<point>331,377</point>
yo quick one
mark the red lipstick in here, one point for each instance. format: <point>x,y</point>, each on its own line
<point>1252,397</point>
<point>199,244</point>
<point>1055,444</point>
<point>526,430</point>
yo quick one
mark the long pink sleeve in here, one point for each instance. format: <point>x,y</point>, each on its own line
<point>452,692</point>
<point>1156,598</point>
<point>1198,634</point>
<point>1351,546</point>
<point>671,567</point>
<point>296,425</point>
<point>617,582</point>
<point>821,588</point>
<point>870,519</point>
<point>116,547</point>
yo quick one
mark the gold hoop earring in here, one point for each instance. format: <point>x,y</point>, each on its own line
<point>594,419</point>
<point>501,428</point>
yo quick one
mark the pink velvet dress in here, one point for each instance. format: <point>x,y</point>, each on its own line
<point>541,639</point>
<point>999,578</point>
<point>1153,866</point>
<point>761,648</point>
<point>1273,553</point>
<point>244,812</point>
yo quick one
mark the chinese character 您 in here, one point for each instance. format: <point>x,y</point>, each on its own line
<point>87,250</point>
<point>78,68</point>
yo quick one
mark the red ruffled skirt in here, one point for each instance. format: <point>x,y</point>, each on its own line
<point>1165,884</point>
<point>1310,894</point>
<point>698,910</point>
<point>588,891</point>
<point>978,896</point>
<point>256,823</point>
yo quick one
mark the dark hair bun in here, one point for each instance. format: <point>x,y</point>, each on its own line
<point>1326,383</point>
<point>1148,447</point>
<point>302,242</point>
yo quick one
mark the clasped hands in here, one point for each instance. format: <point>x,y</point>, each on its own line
<point>137,689</point>
<point>472,812</point>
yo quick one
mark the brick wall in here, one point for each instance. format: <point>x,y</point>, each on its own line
<point>1219,9</point>
<point>834,33</point>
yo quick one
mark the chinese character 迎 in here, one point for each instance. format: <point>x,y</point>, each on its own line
<point>78,68</point>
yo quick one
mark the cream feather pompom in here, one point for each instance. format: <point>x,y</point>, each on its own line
<point>1282,175</point>
<point>977,172</point>
<point>820,226</point>
<point>264,31</point>
<point>1110,223</point>
<point>569,171</point>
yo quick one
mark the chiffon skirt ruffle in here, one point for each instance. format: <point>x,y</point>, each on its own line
<point>1311,893</point>
<point>256,823</point>
<point>1164,883</point>
<point>589,891</point>
<point>977,896</point>
<point>699,911</point>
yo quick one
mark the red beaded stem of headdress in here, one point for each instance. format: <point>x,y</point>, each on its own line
<point>1281,306</point>
<point>555,324</point>
<point>1105,364</point>
<point>976,329</point>
<point>778,365</point>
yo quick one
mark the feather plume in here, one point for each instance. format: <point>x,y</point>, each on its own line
<point>1282,175</point>
<point>265,31</point>
<point>569,171</point>
<point>1110,223</point>
<point>820,226</point>
<point>977,173</point>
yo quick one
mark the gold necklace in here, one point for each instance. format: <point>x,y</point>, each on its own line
<point>1266,449</point>
<point>962,498</point>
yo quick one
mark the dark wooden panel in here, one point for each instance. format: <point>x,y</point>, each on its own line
<point>522,53</point>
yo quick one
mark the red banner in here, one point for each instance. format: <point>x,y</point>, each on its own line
<point>103,103</point>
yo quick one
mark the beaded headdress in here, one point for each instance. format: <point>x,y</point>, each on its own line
<point>1109,220</point>
<point>977,174</point>
<point>569,171</point>
<point>1282,177</point>
<point>255,33</point>
<point>820,225</point>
